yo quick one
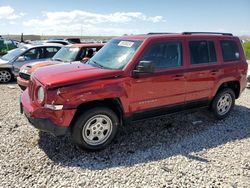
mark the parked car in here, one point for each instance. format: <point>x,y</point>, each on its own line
<point>66,41</point>
<point>133,78</point>
<point>11,63</point>
<point>73,40</point>
<point>6,45</point>
<point>70,53</point>
<point>63,42</point>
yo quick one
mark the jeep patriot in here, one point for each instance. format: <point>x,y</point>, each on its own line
<point>133,78</point>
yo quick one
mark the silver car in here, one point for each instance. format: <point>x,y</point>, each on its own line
<point>11,63</point>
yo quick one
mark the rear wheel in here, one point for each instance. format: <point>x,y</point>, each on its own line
<point>95,128</point>
<point>5,76</point>
<point>223,103</point>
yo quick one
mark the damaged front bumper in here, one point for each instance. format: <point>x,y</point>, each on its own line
<point>54,121</point>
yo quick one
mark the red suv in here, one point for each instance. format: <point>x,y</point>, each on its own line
<point>133,78</point>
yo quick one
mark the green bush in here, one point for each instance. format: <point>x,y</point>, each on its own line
<point>246,46</point>
<point>5,46</point>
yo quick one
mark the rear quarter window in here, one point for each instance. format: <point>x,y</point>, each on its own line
<point>230,50</point>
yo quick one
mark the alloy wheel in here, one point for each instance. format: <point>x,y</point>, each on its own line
<point>224,104</point>
<point>5,76</point>
<point>97,130</point>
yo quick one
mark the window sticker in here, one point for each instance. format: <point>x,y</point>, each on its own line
<point>128,44</point>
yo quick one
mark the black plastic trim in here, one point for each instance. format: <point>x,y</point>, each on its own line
<point>210,33</point>
<point>46,125</point>
<point>145,114</point>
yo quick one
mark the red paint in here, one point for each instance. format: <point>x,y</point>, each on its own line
<point>77,83</point>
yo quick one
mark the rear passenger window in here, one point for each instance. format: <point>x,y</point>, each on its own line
<point>230,50</point>
<point>164,55</point>
<point>202,52</point>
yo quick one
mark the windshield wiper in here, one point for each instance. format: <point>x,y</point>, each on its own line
<point>99,65</point>
<point>57,59</point>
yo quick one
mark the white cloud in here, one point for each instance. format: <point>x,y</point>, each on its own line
<point>73,22</point>
<point>8,13</point>
<point>52,18</point>
<point>78,29</point>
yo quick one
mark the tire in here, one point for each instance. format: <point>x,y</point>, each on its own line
<point>223,103</point>
<point>94,129</point>
<point>5,76</point>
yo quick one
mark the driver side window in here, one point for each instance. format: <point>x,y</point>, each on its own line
<point>164,55</point>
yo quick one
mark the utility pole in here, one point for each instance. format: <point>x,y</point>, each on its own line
<point>22,37</point>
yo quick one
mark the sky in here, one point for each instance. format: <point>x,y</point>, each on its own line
<point>118,17</point>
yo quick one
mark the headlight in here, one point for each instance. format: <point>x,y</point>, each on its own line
<point>40,95</point>
<point>24,70</point>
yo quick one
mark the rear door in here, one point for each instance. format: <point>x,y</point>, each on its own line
<point>203,69</point>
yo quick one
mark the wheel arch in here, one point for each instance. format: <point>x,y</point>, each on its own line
<point>6,68</point>
<point>112,103</point>
<point>234,85</point>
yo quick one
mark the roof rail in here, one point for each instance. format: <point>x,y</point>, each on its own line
<point>151,33</point>
<point>210,33</point>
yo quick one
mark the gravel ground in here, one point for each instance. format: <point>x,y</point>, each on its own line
<point>185,150</point>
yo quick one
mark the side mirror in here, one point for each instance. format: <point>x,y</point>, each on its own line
<point>21,59</point>
<point>144,67</point>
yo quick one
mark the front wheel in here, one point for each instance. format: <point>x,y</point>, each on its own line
<point>5,76</point>
<point>223,103</point>
<point>95,128</point>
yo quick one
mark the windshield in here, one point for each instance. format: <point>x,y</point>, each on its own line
<point>13,54</point>
<point>66,54</point>
<point>116,54</point>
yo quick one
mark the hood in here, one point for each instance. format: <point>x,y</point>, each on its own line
<point>72,73</point>
<point>31,67</point>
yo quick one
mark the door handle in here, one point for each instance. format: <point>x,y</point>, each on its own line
<point>178,76</point>
<point>214,72</point>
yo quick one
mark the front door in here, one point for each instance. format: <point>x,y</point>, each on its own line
<point>166,86</point>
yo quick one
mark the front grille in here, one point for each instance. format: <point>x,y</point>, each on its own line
<point>24,76</point>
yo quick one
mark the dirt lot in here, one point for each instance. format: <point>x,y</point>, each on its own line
<point>185,150</point>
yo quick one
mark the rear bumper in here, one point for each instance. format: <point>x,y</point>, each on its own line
<point>56,122</point>
<point>23,84</point>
